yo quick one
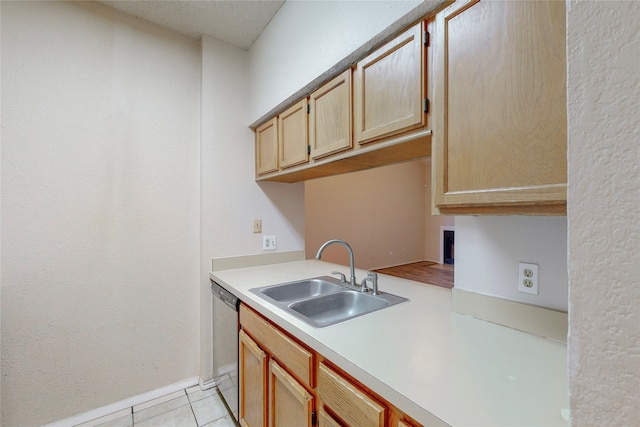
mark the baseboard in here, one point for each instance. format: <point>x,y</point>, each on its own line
<point>541,321</point>
<point>219,264</point>
<point>124,404</point>
<point>227,369</point>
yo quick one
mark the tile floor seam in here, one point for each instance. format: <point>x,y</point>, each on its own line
<point>129,418</point>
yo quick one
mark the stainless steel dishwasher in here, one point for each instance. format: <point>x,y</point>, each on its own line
<point>225,345</point>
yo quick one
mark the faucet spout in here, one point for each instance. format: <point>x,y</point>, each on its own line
<point>352,279</point>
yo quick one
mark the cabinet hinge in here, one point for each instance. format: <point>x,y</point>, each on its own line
<point>309,149</point>
<point>314,418</point>
<point>426,37</point>
<point>308,108</point>
<point>425,105</point>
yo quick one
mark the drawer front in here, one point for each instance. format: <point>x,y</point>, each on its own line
<point>297,359</point>
<point>347,401</point>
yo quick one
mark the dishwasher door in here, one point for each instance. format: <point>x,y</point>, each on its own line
<point>225,345</point>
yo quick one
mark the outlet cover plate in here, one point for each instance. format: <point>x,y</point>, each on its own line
<point>269,243</point>
<point>528,278</point>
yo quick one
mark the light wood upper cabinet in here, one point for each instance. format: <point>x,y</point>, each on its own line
<point>290,403</point>
<point>293,135</point>
<point>253,383</point>
<point>499,108</point>
<point>267,147</point>
<point>381,99</point>
<point>390,88</point>
<point>330,117</point>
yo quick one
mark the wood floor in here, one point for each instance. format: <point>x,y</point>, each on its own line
<point>425,272</point>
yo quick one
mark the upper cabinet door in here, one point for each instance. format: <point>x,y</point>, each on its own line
<point>389,88</point>
<point>330,117</point>
<point>499,108</point>
<point>293,135</point>
<point>267,147</point>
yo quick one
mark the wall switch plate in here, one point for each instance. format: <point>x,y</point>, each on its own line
<point>528,278</point>
<point>269,243</point>
<point>257,226</point>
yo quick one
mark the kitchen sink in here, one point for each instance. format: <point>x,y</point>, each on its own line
<point>302,289</point>
<point>330,309</point>
<point>323,301</point>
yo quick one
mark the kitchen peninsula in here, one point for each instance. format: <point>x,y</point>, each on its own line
<point>436,366</point>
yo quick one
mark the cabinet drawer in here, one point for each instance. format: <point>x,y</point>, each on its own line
<point>285,350</point>
<point>347,401</point>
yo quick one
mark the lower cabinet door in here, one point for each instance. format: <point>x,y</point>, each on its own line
<point>291,405</point>
<point>253,377</point>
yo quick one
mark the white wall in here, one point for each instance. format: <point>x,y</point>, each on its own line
<point>488,250</point>
<point>603,51</point>
<point>306,38</point>
<point>100,209</point>
<point>231,199</point>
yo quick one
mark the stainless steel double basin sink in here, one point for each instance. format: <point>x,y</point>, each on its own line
<point>323,301</point>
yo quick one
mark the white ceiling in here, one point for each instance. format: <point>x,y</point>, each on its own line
<point>236,22</point>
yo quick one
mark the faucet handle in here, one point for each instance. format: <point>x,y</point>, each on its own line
<point>343,278</point>
<point>373,278</point>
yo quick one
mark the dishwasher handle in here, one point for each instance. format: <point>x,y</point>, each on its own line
<point>225,296</point>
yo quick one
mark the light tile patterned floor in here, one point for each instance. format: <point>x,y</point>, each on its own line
<point>191,407</point>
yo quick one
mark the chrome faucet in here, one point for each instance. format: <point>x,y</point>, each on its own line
<point>352,280</point>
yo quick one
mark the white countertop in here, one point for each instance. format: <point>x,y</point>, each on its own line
<point>430,362</point>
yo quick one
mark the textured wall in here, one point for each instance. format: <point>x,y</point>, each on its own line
<point>100,209</point>
<point>306,38</point>
<point>603,47</point>
<point>231,198</point>
<point>383,213</point>
<point>379,212</point>
<point>489,248</point>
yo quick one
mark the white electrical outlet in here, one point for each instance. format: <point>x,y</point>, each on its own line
<point>269,243</point>
<point>257,226</point>
<point>528,278</point>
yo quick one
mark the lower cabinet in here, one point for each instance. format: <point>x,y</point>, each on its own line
<point>326,420</point>
<point>347,401</point>
<point>253,377</point>
<point>285,384</point>
<point>290,404</point>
